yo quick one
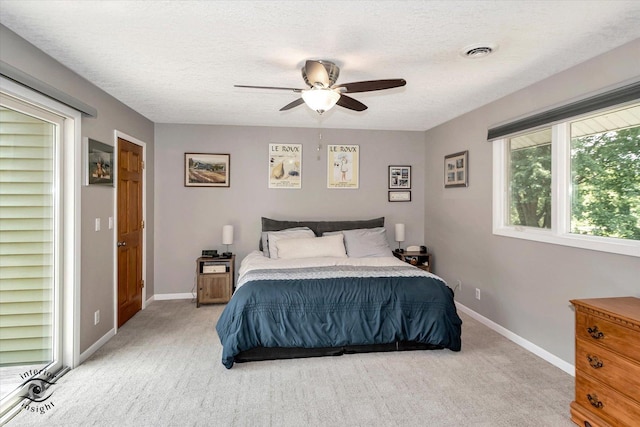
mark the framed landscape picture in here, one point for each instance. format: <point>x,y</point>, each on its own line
<point>456,169</point>
<point>206,170</point>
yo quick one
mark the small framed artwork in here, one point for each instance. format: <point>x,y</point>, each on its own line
<point>456,170</point>
<point>206,170</point>
<point>399,177</point>
<point>99,163</point>
<point>399,196</point>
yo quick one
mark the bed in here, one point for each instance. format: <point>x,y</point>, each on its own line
<point>329,288</point>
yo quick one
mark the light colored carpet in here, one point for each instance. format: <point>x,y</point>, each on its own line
<point>163,368</point>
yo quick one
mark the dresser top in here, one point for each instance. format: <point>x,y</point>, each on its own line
<point>627,308</point>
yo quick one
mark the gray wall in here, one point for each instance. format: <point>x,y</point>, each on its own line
<point>190,219</point>
<point>526,286</point>
<point>97,289</point>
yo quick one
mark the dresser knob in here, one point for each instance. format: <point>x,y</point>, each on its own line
<point>594,361</point>
<point>594,401</point>
<point>595,333</point>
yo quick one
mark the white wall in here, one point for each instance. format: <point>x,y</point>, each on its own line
<point>190,219</point>
<point>526,286</point>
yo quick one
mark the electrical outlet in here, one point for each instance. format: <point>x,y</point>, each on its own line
<point>97,224</point>
<point>96,317</point>
<point>459,284</point>
<point>477,293</point>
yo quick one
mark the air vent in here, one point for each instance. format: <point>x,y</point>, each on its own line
<point>477,51</point>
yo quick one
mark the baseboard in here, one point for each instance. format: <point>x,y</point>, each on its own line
<point>527,345</point>
<point>160,297</point>
<point>96,345</point>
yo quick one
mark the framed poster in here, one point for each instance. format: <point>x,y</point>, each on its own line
<point>456,169</point>
<point>99,167</point>
<point>399,177</point>
<point>285,165</point>
<point>206,170</point>
<point>343,164</point>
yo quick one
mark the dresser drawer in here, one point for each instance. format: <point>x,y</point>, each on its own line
<point>608,368</point>
<point>614,336</point>
<point>608,404</point>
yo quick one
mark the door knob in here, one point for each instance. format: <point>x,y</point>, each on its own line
<point>122,244</point>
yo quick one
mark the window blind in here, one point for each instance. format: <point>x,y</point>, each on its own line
<point>608,99</point>
<point>26,238</point>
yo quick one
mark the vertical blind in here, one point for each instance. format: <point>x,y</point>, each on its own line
<point>26,238</point>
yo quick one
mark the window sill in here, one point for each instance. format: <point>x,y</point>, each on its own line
<point>602,244</point>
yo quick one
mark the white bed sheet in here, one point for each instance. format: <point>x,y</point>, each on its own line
<point>257,261</point>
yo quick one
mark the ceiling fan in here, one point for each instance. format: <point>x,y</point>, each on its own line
<point>322,95</point>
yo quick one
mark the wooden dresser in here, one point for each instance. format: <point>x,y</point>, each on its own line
<point>607,362</point>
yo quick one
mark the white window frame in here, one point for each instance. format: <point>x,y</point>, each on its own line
<point>560,232</point>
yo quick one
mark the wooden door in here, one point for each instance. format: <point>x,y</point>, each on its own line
<point>130,226</point>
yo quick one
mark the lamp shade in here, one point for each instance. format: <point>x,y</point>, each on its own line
<point>227,235</point>
<point>320,100</point>
<point>399,232</point>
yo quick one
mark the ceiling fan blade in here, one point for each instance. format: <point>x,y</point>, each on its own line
<point>350,103</point>
<point>292,104</point>
<point>316,73</point>
<point>371,85</point>
<point>271,87</point>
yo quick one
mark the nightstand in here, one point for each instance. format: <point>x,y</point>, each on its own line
<point>215,279</point>
<point>419,259</point>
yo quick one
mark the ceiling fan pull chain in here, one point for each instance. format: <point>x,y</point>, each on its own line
<point>319,148</point>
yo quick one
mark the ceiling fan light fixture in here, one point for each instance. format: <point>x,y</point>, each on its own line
<point>319,99</point>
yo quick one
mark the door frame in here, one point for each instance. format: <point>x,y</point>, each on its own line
<point>118,134</point>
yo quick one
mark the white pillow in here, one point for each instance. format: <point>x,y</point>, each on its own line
<point>311,247</point>
<point>367,242</point>
<point>274,236</point>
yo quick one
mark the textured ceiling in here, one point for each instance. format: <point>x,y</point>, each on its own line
<point>177,61</point>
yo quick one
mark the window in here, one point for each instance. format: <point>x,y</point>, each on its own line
<point>39,224</point>
<point>605,174</point>
<point>575,182</point>
<point>530,179</point>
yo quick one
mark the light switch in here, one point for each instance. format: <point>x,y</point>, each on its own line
<point>97,224</point>
<point>110,222</point>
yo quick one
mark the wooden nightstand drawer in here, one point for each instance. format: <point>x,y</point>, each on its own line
<point>214,280</point>
<point>606,403</point>
<point>609,334</point>
<point>609,368</point>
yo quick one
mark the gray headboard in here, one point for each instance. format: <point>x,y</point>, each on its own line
<point>320,227</point>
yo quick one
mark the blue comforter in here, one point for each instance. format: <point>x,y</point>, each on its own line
<point>338,306</point>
